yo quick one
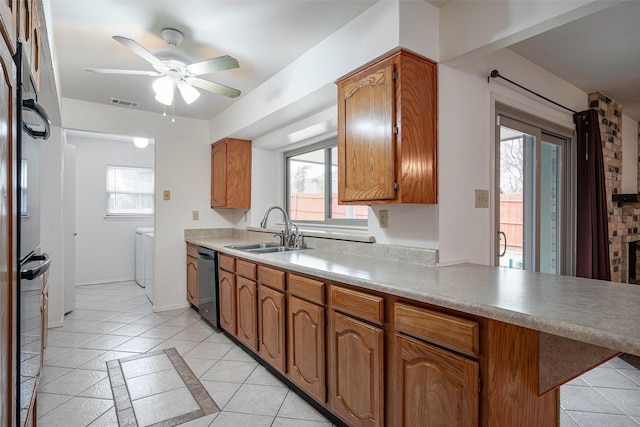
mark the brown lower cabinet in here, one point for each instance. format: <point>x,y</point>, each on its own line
<point>305,347</point>
<point>227,299</point>
<point>436,387</point>
<point>271,331</point>
<point>247,312</point>
<point>356,377</point>
<point>373,359</point>
<point>192,275</point>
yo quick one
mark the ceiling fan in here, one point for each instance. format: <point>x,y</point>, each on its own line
<point>176,70</point>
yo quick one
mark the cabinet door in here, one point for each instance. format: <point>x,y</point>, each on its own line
<point>227,291</point>
<point>218,175</point>
<point>305,347</point>
<point>192,280</point>
<point>435,387</point>
<point>271,317</point>
<point>7,230</point>
<point>366,153</point>
<point>247,312</point>
<point>356,391</point>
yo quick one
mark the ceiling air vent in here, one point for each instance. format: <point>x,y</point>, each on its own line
<point>125,103</point>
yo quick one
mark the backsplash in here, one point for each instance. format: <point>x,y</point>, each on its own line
<point>412,255</point>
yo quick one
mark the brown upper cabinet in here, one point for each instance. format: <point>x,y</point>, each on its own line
<point>231,174</point>
<point>387,131</point>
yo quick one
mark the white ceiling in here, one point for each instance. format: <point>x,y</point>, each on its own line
<point>600,52</point>
<point>263,35</point>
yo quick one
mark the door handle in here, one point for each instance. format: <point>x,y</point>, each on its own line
<point>504,251</point>
<point>32,105</point>
<point>39,270</point>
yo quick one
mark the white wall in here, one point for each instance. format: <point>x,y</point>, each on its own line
<point>466,140</point>
<point>182,166</point>
<point>629,155</point>
<point>52,225</point>
<point>105,248</point>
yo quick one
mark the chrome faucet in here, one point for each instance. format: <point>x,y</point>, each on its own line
<point>287,234</point>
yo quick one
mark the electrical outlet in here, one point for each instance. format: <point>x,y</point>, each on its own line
<point>195,215</point>
<point>482,198</point>
<point>166,195</point>
<point>383,218</point>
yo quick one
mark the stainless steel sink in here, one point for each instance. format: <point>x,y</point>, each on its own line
<point>251,246</point>
<point>274,249</point>
<point>262,248</point>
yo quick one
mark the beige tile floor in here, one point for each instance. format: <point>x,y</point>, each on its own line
<point>115,320</point>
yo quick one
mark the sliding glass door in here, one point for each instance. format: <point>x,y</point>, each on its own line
<point>531,189</point>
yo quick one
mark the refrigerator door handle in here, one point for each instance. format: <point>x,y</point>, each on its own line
<point>39,270</point>
<point>31,105</point>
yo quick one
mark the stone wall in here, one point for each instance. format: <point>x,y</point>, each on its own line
<point>623,220</point>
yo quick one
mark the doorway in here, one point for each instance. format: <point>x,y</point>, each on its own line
<point>533,188</point>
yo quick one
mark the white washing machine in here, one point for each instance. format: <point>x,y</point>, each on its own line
<point>140,231</point>
<point>149,255</point>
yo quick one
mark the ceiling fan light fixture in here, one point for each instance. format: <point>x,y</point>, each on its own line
<point>163,88</point>
<point>188,92</point>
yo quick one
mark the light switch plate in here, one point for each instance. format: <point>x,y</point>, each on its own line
<point>482,198</point>
<point>166,195</point>
<point>195,215</point>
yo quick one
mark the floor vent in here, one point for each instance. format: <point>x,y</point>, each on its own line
<point>125,103</point>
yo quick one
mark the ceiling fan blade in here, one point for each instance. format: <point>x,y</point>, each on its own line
<point>220,63</point>
<point>140,51</point>
<point>129,72</point>
<point>214,87</point>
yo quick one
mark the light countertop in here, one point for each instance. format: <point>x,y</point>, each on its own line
<point>601,313</point>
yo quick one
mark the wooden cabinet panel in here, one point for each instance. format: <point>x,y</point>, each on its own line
<point>396,160</point>
<point>356,386</point>
<point>8,219</point>
<point>227,263</point>
<point>358,304</point>
<point>246,315</point>
<point>448,331</point>
<point>9,22</point>
<point>309,289</point>
<point>305,347</point>
<point>231,174</point>
<point>435,387</point>
<point>367,154</point>
<point>192,277</point>
<point>270,277</point>
<point>227,292</point>
<point>271,328</point>
<point>246,269</point>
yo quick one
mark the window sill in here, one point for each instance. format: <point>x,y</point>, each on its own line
<point>351,234</point>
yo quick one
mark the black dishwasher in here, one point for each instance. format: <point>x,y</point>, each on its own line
<point>208,286</point>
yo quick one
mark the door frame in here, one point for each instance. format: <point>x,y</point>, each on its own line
<point>554,126</point>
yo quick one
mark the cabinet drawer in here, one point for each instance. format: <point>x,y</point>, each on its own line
<point>227,263</point>
<point>192,250</point>
<point>246,269</point>
<point>442,329</point>
<point>358,304</point>
<point>309,289</point>
<point>270,277</point>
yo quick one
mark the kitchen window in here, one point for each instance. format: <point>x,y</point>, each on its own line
<point>311,175</point>
<point>129,191</point>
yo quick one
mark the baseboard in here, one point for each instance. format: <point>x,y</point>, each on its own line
<point>157,309</point>
<point>105,281</point>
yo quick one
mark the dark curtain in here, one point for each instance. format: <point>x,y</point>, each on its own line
<point>592,240</point>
